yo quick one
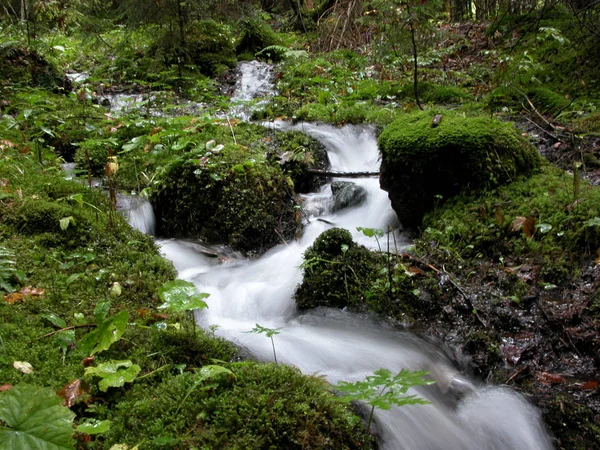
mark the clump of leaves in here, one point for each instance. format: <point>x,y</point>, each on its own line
<point>114,373</point>
<point>382,390</point>
<point>181,296</point>
<point>34,417</point>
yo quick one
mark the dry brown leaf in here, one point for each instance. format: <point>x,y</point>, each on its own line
<point>416,270</point>
<point>517,224</point>
<point>73,391</point>
<point>13,298</point>
<point>6,387</point>
<point>88,361</point>
<point>549,378</point>
<point>529,227</point>
<point>23,366</point>
<point>499,214</point>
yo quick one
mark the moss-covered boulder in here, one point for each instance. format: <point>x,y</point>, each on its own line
<point>247,204</point>
<point>425,162</point>
<point>298,153</point>
<point>337,272</point>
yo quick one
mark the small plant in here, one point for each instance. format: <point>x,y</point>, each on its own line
<point>8,273</point>
<point>180,296</point>
<point>382,390</point>
<point>269,332</point>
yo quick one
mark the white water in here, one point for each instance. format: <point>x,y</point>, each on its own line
<point>345,346</point>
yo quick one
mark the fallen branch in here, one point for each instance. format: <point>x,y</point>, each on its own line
<point>326,173</point>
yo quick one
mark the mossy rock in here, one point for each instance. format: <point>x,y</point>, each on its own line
<point>247,205</point>
<point>423,164</point>
<point>337,272</point>
<point>434,93</point>
<point>254,406</point>
<point>298,153</point>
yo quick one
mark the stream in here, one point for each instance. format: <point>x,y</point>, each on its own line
<point>463,413</point>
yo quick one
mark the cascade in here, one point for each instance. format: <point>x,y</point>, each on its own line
<point>463,413</point>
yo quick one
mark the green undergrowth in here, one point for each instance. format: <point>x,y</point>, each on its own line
<point>84,302</point>
<point>535,221</point>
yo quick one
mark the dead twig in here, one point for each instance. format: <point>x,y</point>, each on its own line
<point>86,325</point>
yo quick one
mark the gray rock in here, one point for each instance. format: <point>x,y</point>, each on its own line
<point>346,194</point>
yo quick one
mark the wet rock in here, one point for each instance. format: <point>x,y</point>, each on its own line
<point>346,194</point>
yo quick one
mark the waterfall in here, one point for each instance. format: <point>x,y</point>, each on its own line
<point>462,413</point>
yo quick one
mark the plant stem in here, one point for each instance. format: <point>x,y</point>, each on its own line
<point>273,345</point>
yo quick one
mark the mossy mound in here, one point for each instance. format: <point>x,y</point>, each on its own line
<point>254,406</point>
<point>23,67</point>
<point>535,218</point>
<point>337,272</point>
<point>433,93</point>
<point>423,164</point>
<point>247,204</point>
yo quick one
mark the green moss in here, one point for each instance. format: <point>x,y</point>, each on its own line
<point>563,235</point>
<point>573,423</point>
<point>423,165</point>
<point>262,406</point>
<point>433,93</point>
<point>233,195</point>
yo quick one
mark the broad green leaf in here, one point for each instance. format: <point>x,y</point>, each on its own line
<point>92,426</point>
<point>101,310</point>
<point>73,277</point>
<point>180,295</point>
<point>371,232</point>
<point>34,418</point>
<point>54,320</point>
<point>107,333</point>
<point>210,371</point>
<point>114,373</point>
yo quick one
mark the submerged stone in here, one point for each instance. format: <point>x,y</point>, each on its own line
<point>347,194</point>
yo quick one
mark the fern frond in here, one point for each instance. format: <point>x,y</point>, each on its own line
<point>282,52</point>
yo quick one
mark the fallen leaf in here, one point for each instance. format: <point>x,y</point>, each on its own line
<point>6,387</point>
<point>31,291</point>
<point>73,391</point>
<point>549,378</point>
<point>13,298</point>
<point>416,270</point>
<point>23,366</point>
<point>589,385</point>
<point>529,227</point>
<point>517,224</point>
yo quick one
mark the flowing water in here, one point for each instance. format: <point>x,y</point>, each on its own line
<point>339,345</point>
